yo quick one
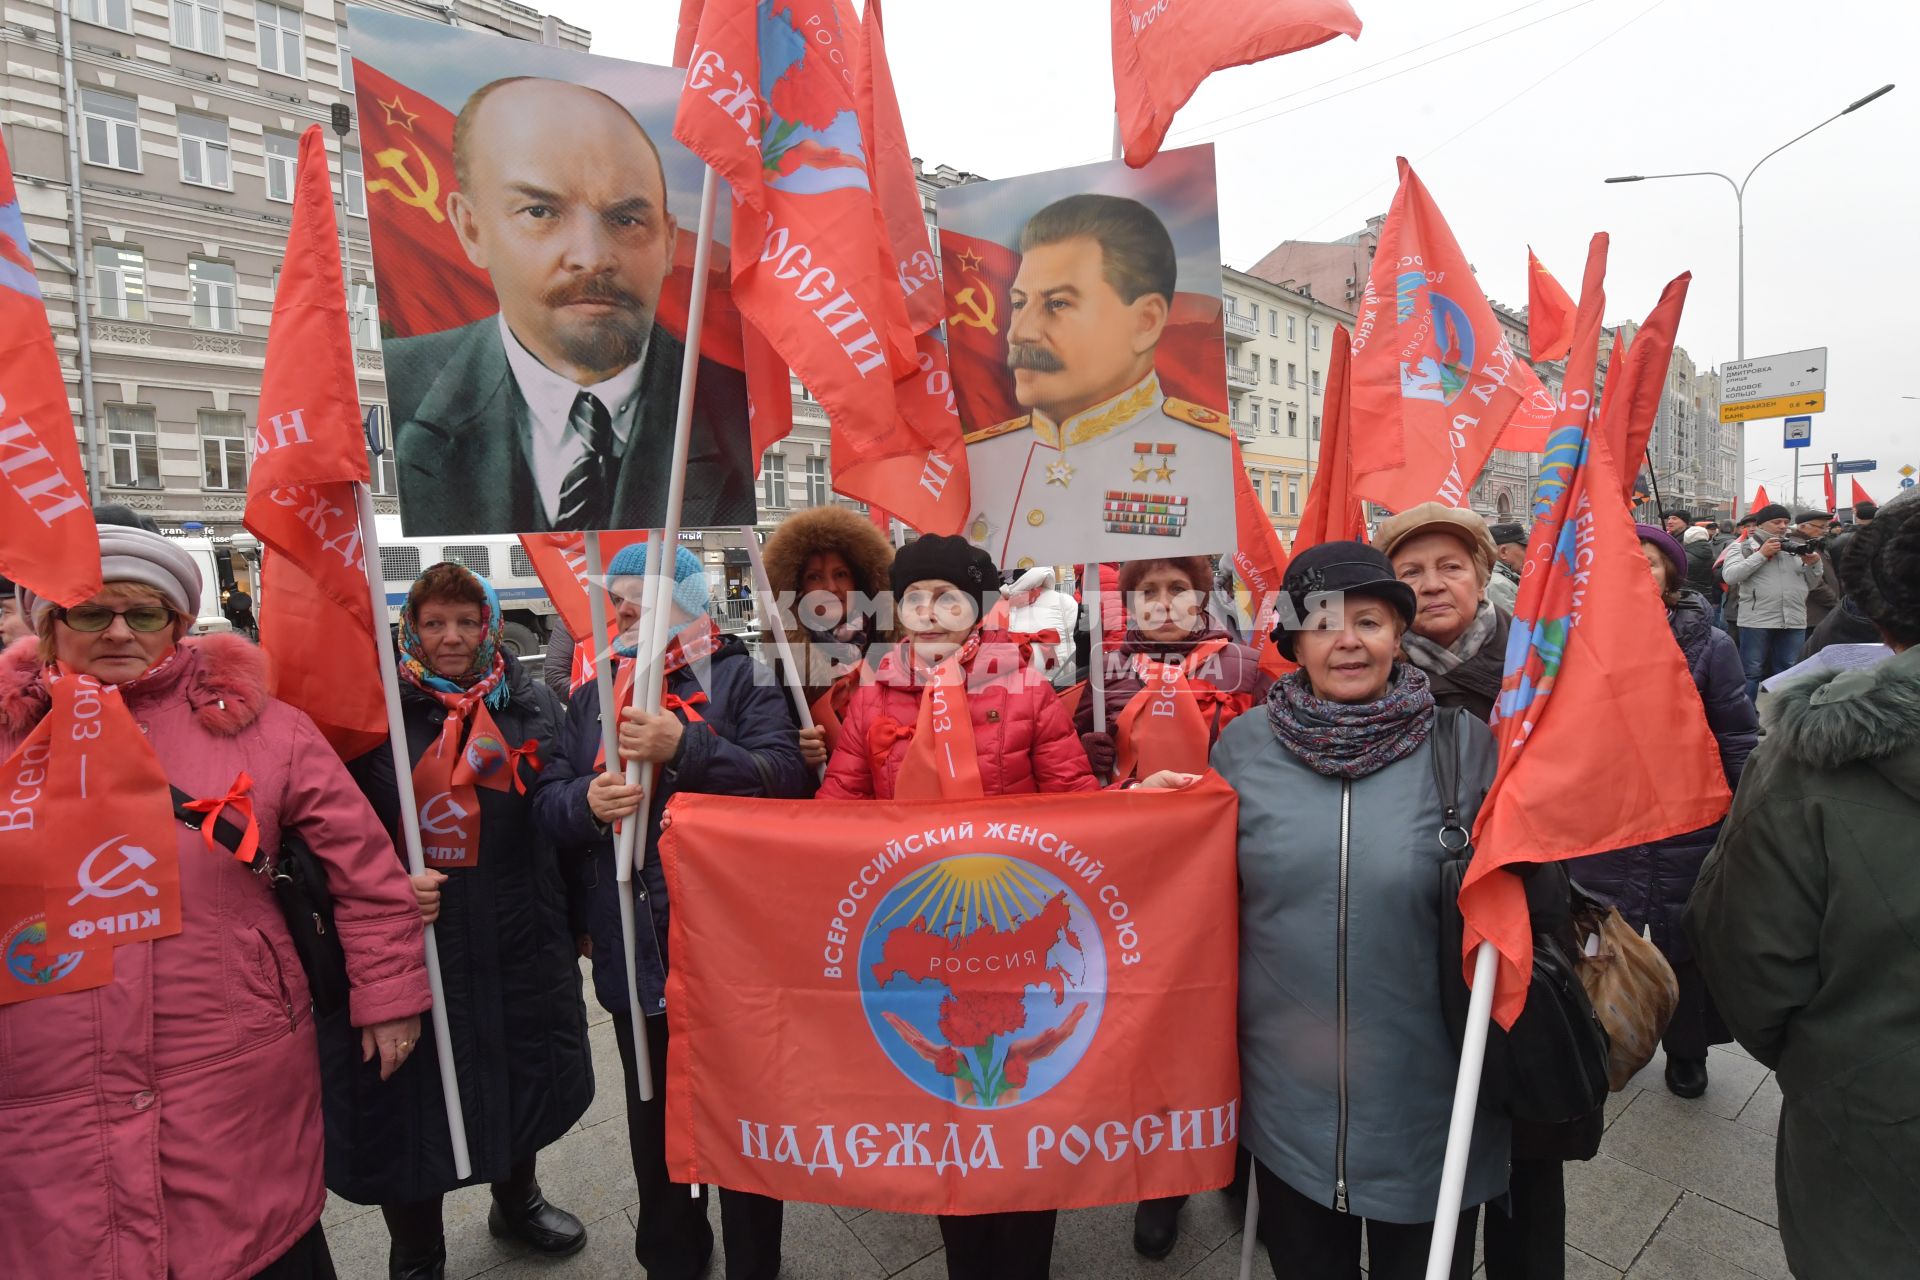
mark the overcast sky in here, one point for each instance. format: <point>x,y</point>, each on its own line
<point>1513,138</point>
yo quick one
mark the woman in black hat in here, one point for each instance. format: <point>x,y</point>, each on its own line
<point>1346,1062</point>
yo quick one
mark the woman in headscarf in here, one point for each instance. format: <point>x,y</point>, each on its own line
<point>1445,555</point>
<point>160,1099</point>
<point>724,728</point>
<point>828,567</point>
<point>479,727</point>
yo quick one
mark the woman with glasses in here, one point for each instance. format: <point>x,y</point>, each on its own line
<point>160,1100</point>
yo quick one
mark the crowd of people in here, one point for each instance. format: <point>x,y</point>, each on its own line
<point>186,1119</point>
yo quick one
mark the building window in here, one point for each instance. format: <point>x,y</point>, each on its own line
<point>133,448</point>
<point>346,68</point>
<point>816,481</point>
<point>1273,370</point>
<point>117,14</point>
<point>353,183</point>
<point>1313,336</point>
<point>216,297</point>
<point>1273,493</point>
<point>366,316</point>
<point>1293,423</point>
<point>1253,415</point>
<point>1293,374</point>
<point>206,157</point>
<point>384,482</point>
<point>120,281</point>
<point>1316,426</point>
<point>283,161</point>
<point>1291,335</point>
<point>1293,496</point>
<point>223,449</point>
<point>1316,382</point>
<point>1273,323</point>
<point>110,128</point>
<point>773,478</point>
<point>1273,420</point>
<point>277,28</point>
<point>196,25</point>
<point>1253,313</point>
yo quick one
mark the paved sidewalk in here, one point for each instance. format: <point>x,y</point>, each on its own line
<point>1680,1191</point>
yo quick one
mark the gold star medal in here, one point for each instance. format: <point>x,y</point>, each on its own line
<point>1060,473</point>
<point>1141,469</point>
<point>1165,470</point>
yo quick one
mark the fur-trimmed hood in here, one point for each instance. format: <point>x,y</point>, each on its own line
<point>1840,718</point>
<point>828,528</point>
<point>223,677</point>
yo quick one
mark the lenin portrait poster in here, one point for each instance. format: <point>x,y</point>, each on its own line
<point>1084,328</point>
<point>533,224</point>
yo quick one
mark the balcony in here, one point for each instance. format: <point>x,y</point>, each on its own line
<point>1242,378</point>
<point>1240,327</point>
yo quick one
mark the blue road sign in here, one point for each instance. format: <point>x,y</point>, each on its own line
<point>1907,483</point>
<point>1855,467</point>
<point>1799,432</point>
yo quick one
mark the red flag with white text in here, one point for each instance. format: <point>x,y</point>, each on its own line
<point>1585,695</point>
<point>1333,512</point>
<point>1435,381</point>
<point>1163,49</point>
<point>560,562</point>
<point>49,542</point>
<point>309,451</point>
<point>1549,314</point>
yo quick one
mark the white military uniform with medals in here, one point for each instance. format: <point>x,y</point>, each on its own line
<point>1136,477</point>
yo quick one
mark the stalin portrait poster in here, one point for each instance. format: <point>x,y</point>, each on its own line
<point>533,226</point>
<point>1084,329</point>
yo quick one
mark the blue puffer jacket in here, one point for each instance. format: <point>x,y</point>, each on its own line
<point>1651,883</point>
<point>744,744</point>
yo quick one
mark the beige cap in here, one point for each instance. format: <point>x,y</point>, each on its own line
<point>1437,517</point>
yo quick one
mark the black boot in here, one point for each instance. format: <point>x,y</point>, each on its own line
<point>1686,1077</point>
<point>1156,1226</point>
<point>537,1224</point>
<point>417,1266</point>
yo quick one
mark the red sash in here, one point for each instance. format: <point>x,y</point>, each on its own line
<point>695,644</point>
<point>1163,727</point>
<point>448,774</point>
<point>89,855</point>
<point>940,763</point>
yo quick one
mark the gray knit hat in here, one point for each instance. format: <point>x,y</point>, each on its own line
<point>134,555</point>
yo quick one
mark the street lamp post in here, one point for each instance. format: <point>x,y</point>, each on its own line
<point>1740,211</point>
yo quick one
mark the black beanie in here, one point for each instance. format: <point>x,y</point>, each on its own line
<point>1772,511</point>
<point>946,558</point>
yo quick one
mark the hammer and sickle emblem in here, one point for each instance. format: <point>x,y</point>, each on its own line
<point>92,886</point>
<point>415,195</point>
<point>975,316</point>
<point>441,816</point>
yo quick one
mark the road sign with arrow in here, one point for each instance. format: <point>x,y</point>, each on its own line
<point>1773,386</point>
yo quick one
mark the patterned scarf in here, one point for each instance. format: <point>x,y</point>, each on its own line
<point>1440,659</point>
<point>1352,739</point>
<point>487,674</point>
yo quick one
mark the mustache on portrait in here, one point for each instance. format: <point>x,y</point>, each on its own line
<point>591,289</point>
<point>1033,358</point>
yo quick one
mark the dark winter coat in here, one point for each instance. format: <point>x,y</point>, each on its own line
<point>1845,625</point>
<point>1650,883</point>
<point>1700,575</point>
<point>512,979</point>
<point>1475,683</point>
<point>1806,921</point>
<point>744,744</point>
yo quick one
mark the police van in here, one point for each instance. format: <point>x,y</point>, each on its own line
<point>527,611</point>
<point>209,616</point>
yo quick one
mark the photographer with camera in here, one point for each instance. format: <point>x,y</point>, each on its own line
<point>1774,569</point>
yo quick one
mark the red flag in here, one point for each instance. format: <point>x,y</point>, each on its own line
<point>921,467</point>
<point>1860,495</point>
<point>1549,313</point>
<point>316,622</point>
<point>1760,498</point>
<point>1435,380</point>
<point>1585,695</point>
<point>1637,379</point>
<point>1260,560</point>
<point>1826,475</point>
<point>1162,51</point>
<point>686,31</point>
<point>560,562</point>
<point>990,998</point>
<point>771,108</point>
<point>1333,511</point>
<point>50,543</point>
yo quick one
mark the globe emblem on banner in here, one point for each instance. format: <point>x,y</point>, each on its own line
<point>31,960</point>
<point>1442,375</point>
<point>485,754</point>
<point>983,978</point>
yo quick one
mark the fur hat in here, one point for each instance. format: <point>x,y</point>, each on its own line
<point>846,533</point>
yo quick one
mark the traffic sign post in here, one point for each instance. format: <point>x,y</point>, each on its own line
<point>1773,407</point>
<point>1773,386</point>
<point>1799,433</point>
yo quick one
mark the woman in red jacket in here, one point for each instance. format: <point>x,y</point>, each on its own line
<point>1023,742</point>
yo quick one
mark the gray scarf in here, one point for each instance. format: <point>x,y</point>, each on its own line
<point>1439,660</point>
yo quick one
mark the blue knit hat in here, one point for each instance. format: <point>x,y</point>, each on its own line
<point>690,589</point>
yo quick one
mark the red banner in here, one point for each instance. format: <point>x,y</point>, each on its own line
<point>1435,380</point>
<point>1584,696</point>
<point>1163,49</point>
<point>1860,495</point>
<point>50,543</point>
<point>1637,380</point>
<point>1333,512</point>
<point>309,450</point>
<point>1549,314</point>
<point>1021,1002</point>
<point>560,561</point>
<point>1261,561</point>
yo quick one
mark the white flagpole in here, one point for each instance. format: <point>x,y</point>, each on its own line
<point>410,817</point>
<point>1090,593</point>
<point>1250,1229</point>
<point>647,682</point>
<point>763,587</point>
<point>1466,1095</point>
<point>609,746</point>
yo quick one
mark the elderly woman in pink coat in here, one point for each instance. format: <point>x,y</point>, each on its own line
<point>160,1103</point>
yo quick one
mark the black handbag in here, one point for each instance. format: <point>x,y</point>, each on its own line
<point>1552,1066</point>
<point>299,885</point>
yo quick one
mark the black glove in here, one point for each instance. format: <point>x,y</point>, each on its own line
<point>1100,752</point>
